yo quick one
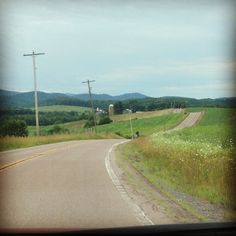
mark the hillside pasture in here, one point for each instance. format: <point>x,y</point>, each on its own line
<point>146,123</point>
<point>145,126</point>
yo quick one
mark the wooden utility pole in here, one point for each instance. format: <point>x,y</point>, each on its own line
<point>33,54</point>
<point>91,102</point>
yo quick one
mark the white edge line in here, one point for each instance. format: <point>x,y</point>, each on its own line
<point>138,212</point>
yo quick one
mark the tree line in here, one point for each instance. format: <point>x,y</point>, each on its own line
<point>46,118</point>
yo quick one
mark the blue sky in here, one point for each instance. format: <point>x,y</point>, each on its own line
<point>159,48</point>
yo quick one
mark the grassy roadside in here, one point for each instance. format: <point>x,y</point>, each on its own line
<point>199,160</point>
<point>8,143</point>
<point>141,183</point>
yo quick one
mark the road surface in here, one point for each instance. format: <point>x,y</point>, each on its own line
<point>189,121</point>
<point>64,185</point>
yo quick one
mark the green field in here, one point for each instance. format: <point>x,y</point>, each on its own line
<point>216,129</point>
<point>63,108</point>
<point>159,120</point>
<point>145,126</point>
<point>140,115</point>
<point>197,160</point>
<point>71,127</point>
<point>146,123</point>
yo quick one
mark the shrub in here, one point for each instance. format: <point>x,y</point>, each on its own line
<point>104,120</point>
<point>58,130</point>
<point>13,128</point>
<point>90,122</point>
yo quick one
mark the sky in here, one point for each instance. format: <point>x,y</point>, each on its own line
<point>158,48</point>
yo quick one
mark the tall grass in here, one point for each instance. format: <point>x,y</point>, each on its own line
<point>8,143</point>
<point>72,127</point>
<point>198,160</point>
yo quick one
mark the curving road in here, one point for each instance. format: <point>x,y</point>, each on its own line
<point>64,185</point>
<point>68,185</point>
<point>192,119</point>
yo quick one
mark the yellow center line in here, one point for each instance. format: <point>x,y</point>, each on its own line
<point>19,161</point>
<point>53,150</point>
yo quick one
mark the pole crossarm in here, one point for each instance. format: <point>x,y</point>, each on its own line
<point>34,54</point>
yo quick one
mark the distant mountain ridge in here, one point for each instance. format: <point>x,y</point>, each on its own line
<point>7,92</point>
<point>106,97</point>
<point>136,101</point>
<point>26,99</point>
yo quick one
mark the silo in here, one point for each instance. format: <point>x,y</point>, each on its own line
<point>111,110</point>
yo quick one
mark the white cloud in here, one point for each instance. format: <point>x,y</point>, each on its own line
<point>205,67</point>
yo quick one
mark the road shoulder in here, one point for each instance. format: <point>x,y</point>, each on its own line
<point>163,207</point>
<point>158,207</point>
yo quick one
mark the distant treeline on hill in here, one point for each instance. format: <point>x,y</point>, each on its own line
<point>146,104</point>
<point>134,101</point>
<point>150,104</point>
<point>46,118</point>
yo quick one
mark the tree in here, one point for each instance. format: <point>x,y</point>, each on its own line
<point>118,107</point>
<point>56,129</point>
<point>104,120</point>
<point>90,122</point>
<point>151,106</point>
<point>13,127</point>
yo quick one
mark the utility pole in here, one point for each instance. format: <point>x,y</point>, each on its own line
<point>33,54</point>
<point>131,126</point>
<point>91,102</point>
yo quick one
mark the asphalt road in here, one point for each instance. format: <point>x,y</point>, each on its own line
<point>64,185</point>
<point>190,120</point>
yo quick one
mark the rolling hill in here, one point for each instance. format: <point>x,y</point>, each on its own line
<point>26,99</point>
<point>134,101</point>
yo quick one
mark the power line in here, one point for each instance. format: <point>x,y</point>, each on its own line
<point>33,54</point>
<point>91,102</point>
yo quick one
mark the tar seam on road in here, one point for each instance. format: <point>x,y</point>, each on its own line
<point>139,214</point>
